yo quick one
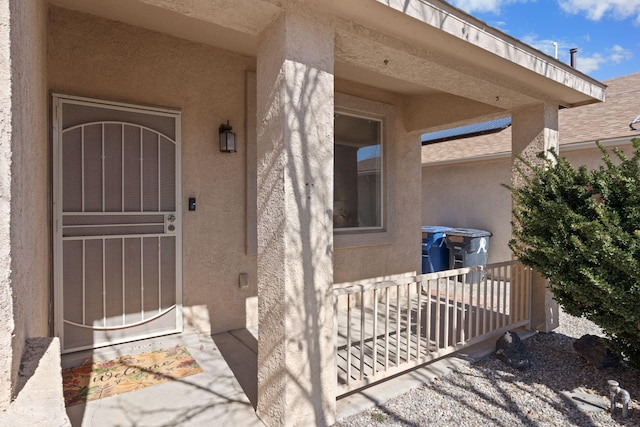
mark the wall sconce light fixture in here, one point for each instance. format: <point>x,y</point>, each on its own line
<point>227,139</point>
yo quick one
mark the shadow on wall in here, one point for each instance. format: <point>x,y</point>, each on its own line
<point>306,164</point>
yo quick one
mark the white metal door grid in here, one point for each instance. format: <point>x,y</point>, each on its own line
<point>117,217</point>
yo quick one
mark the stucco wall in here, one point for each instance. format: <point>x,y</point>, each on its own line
<point>592,157</point>
<point>94,57</point>
<point>24,253</point>
<point>469,195</point>
<point>6,305</point>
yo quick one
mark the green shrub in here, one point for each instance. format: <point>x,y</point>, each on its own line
<point>580,229</point>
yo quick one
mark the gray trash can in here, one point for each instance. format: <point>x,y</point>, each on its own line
<point>468,247</point>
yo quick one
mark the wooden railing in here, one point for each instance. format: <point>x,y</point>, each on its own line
<point>387,327</point>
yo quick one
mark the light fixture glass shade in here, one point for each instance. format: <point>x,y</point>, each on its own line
<point>227,139</point>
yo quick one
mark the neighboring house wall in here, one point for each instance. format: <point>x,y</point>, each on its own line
<point>24,186</point>
<point>470,195</point>
<point>592,157</point>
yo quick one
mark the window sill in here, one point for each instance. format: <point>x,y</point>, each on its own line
<point>356,238</point>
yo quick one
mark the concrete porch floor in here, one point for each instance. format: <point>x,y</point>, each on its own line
<point>213,396</point>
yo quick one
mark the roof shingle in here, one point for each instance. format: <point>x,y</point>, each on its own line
<point>601,121</point>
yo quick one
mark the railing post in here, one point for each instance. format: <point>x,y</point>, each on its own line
<point>437,322</point>
<point>418,316</point>
<point>408,334</point>
<point>428,322</point>
<point>362,327</point>
<point>398,325</point>
<point>336,329</point>
<point>375,332</point>
<point>386,330</point>
<point>348,339</point>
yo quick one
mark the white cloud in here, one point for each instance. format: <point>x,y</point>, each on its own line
<point>597,9</point>
<point>493,6</point>
<point>618,54</point>
<point>587,64</point>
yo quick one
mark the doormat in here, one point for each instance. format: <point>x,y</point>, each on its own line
<point>95,379</point>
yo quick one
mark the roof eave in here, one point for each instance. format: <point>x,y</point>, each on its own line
<point>524,63</point>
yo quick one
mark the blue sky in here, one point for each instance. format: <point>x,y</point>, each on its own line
<point>606,32</point>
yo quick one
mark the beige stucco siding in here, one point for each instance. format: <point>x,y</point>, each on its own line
<point>6,305</point>
<point>592,157</point>
<point>98,58</point>
<point>24,247</point>
<point>222,61</point>
<point>93,57</point>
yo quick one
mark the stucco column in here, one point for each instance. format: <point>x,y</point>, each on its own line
<point>24,185</point>
<point>295,107</point>
<point>535,129</point>
<point>6,301</point>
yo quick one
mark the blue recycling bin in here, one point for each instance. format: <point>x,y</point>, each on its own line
<point>435,254</point>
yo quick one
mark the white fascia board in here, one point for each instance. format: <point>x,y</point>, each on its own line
<point>606,143</point>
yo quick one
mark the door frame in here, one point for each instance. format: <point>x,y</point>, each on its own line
<point>58,99</point>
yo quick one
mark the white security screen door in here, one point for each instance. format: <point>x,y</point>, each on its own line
<point>117,222</point>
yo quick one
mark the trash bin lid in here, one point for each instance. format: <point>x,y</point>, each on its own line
<point>468,232</point>
<point>435,229</point>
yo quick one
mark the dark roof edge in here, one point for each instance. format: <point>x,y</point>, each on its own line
<point>465,136</point>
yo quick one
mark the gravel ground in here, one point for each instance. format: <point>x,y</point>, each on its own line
<point>490,393</point>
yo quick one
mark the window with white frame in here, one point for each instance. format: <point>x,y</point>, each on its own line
<point>357,199</point>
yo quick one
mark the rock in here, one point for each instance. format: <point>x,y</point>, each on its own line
<point>593,348</point>
<point>511,350</point>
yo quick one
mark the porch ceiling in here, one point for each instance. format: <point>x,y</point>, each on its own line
<point>411,47</point>
<point>231,25</point>
<point>462,43</point>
